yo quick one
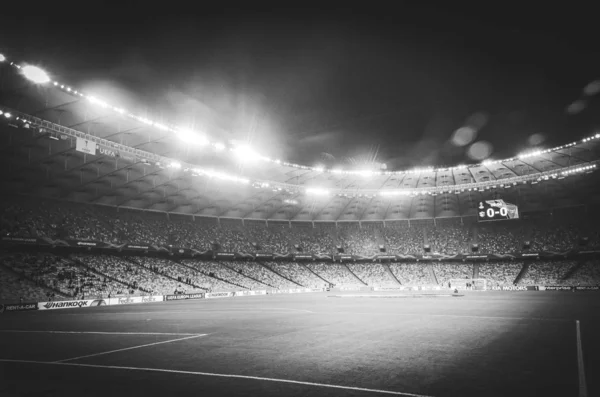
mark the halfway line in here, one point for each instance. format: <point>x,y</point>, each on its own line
<point>172,371</point>
<point>580,367</point>
<point>127,348</point>
<point>98,332</point>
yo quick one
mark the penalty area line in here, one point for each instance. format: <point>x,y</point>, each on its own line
<point>128,348</point>
<point>210,374</point>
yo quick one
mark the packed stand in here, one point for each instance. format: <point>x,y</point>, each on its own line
<point>206,279</point>
<point>15,288</point>
<point>374,274</point>
<point>449,239</point>
<point>221,270</point>
<point>64,277</point>
<point>298,273</point>
<point>336,274</point>
<point>411,273</point>
<point>134,276</point>
<point>444,272</point>
<point>547,273</point>
<point>263,274</point>
<point>500,274</point>
<point>588,274</point>
<point>553,238</point>
<point>358,241</point>
<point>170,269</point>
<point>269,239</point>
<point>494,239</point>
<point>403,240</point>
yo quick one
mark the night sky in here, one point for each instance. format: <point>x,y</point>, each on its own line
<point>335,86</point>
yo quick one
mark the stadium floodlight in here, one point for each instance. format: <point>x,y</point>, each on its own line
<point>7,115</point>
<point>317,191</point>
<point>97,101</point>
<point>245,153</point>
<point>2,58</point>
<point>35,74</point>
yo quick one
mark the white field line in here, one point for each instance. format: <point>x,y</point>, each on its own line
<point>580,367</point>
<point>258,378</point>
<point>129,348</point>
<point>98,332</point>
<point>448,315</point>
<point>187,311</point>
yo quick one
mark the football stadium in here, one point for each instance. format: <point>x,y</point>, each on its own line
<point>146,255</point>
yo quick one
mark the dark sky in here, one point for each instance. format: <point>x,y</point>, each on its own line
<point>353,83</point>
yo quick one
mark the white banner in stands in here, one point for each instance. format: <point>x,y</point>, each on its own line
<point>86,146</point>
<point>219,295</point>
<point>71,304</point>
<point>135,299</point>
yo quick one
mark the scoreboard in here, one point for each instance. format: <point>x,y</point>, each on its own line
<point>496,210</point>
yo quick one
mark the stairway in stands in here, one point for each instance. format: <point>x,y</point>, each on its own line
<point>315,273</point>
<point>279,274</point>
<point>571,272</point>
<point>522,273</point>
<point>391,274</point>
<point>432,277</point>
<point>354,275</point>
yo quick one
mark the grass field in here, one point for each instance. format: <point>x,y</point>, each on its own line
<point>484,343</point>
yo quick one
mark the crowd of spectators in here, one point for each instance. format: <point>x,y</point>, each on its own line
<point>412,273</point>
<point>500,274</point>
<point>52,219</point>
<point>62,276</point>
<point>259,272</point>
<point>298,273</point>
<point>546,273</point>
<point>135,277</point>
<point>101,275</point>
<point>374,274</point>
<point>587,274</point>
<point>444,272</point>
<point>16,287</point>
<point>334,273</point>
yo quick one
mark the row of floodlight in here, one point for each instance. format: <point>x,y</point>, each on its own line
<point>187,135</point>
<point>318,191</point>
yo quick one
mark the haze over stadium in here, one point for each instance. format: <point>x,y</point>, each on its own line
<point>299,202</point>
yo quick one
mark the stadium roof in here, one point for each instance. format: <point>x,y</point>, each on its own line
<point>156,165</point>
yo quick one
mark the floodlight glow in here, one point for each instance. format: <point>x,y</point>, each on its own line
<point>337,171</point>
<point>97,101</point>
<point>219,146</point>
<point>159,126</point>
<point>317,191</point>
<point>2,58</point>
<point>319,169</point>
<point>7,115</point>
<point>35,74</point>
<point>365,173</point>
<point>191,137</point>
<point>175,164</point>
<point>246,153</point>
